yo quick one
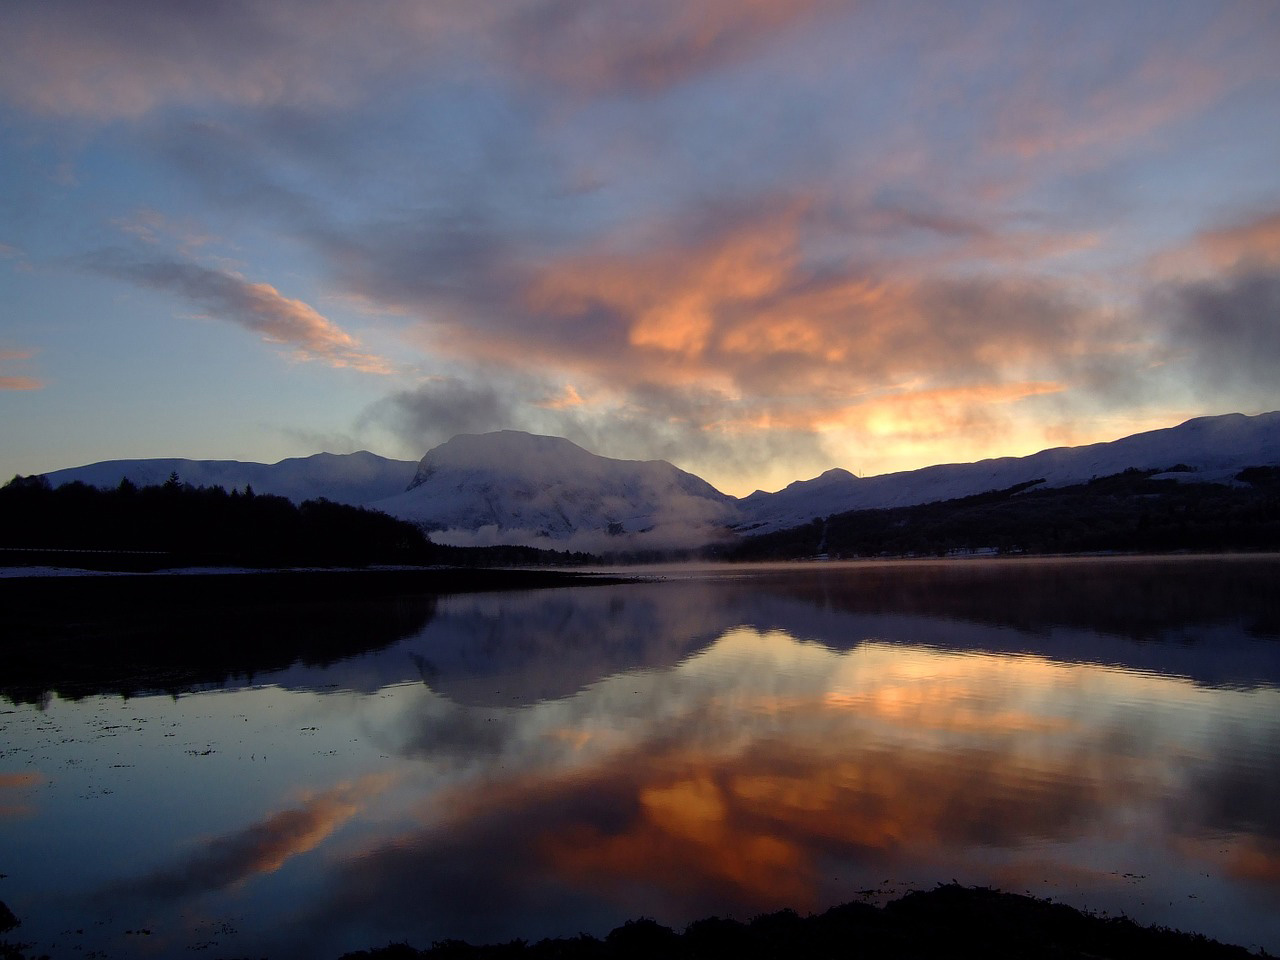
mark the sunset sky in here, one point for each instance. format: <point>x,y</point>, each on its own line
<point>757,238</point>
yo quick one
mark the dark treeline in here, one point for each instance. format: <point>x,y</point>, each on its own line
<point>176,524</point>
<point>1129,512</point>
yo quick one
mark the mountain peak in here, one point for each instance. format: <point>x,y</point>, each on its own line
<point>514,487</point>
<point>507,452</point>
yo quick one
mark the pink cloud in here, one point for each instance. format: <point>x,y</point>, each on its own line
<point>17,382</point>
<point>256,306</point>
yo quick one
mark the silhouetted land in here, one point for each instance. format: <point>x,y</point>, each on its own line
<point>950,921</point>
<point>128,634</point>
<point>1128,512</point>
<point>176,525</point>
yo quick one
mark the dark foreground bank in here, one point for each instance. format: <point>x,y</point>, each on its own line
<point>949,921</point>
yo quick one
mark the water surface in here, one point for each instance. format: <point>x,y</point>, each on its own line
<point>727,741</point>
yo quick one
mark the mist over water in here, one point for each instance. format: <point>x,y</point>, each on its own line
<point>724,741</point>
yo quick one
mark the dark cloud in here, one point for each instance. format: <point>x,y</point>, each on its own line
<point>441,408</point>
<point>1229,329</point>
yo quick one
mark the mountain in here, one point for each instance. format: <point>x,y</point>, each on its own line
<point>352,478</point>
<point>514,487</point>
<point>1213,449</point>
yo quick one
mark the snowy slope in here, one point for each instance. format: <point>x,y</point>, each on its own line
<point>354,478</point>
<point>1216,448</point>
<point>514,487</point>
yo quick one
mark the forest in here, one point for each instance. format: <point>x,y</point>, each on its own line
<point>176,524</point>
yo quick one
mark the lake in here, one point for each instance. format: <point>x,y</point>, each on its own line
<point>720,741</point>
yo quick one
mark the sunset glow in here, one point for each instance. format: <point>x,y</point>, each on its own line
<point>758,240</point>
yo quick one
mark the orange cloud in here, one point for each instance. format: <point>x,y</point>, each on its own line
<point>1251,244</point>
<point>1255,242</point>
<point>564,400</point>
<point>18,382</point>
<point>740,305</point>
<point>780,342</point>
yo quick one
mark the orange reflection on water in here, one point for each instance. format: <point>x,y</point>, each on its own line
<point>18,781</point>
<point>879,755</point>
<point>767,772</point>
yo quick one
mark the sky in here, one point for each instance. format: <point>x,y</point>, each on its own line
<point>756,238</point>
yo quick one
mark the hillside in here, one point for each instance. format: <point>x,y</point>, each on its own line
<point>1133,511</point>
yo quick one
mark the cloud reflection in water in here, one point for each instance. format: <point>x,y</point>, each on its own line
<point>765,772</point>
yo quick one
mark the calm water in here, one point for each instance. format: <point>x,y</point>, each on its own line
<point>725,742</point>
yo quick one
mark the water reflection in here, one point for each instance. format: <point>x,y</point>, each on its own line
<point>1215,620</point>
<point>543,763</point>
<point>766,771</point>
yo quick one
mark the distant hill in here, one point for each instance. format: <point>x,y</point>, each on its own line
<point>510,487</point>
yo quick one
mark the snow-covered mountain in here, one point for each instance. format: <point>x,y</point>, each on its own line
<point>354,478</point>
<point>1214,448</point>
<point>513,487</point>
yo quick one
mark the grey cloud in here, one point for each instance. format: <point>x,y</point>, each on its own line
<point>598,49</point>
<point>1230,330</point>
<point>649,421</point>
<point>432,412</point>
<point>130,58</point>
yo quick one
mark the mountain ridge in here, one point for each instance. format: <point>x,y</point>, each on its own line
<point>512,487</point>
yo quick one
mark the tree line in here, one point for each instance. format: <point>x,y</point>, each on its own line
<point>177,524</point>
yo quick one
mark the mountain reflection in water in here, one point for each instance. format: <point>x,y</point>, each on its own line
<point>724,742</point>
